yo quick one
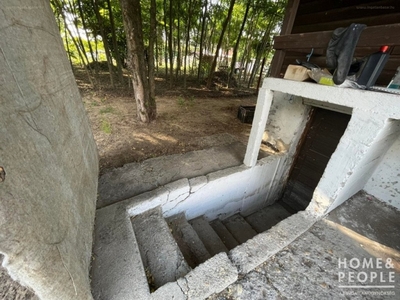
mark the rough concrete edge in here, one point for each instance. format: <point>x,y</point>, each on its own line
<point>161,195</point>
<point>170,290</point>
<point>126,269</point>
<point>212,276</point>
<point>259,249</point>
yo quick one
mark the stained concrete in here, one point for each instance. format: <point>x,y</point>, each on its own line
<point>267,217</point>
<point>49,156</point>
<point>136,178</point>
<point>189,242</point>
<point>225,235</point>
<point>208,236</point>
<point>308,268</point>
<point>160,254</point>
<point>239,228</point>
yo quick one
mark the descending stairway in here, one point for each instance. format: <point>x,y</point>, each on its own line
<point>224,235</point>
<point>144,253</point>
<point>196,240</point>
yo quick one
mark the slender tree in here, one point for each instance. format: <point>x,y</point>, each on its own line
<point>236,48</point>
<point>137,64</point>
<point>221,37</point>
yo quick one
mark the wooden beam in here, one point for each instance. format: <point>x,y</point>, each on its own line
<point>371,36</point>
<point>288,21</point>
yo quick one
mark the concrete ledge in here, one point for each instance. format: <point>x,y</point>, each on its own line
<point>117,270</point>
<point>254,252</point>
<point>169,291</point>
<point>211,277</point>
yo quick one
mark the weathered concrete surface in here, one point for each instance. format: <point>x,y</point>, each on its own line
<point>208,236</point>
<point>160,253</point>
<point>385,181</point>
<point>49,156</point>
<point>308,268</point>
<point>189,242</point>
<point>10,289</point>
<point>267,217</point>
<point>136,178</point>
<point>117,270</point>
<point>210,277</point>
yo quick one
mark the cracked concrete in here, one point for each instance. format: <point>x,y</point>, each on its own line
<point>136,178</point>
<point>308,268</point>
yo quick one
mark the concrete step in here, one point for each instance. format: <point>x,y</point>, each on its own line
<point>267,217</point>
<point>224,234</point>
<point>189,242</point>
<point>208,236</point>
<point>240,229</point>
<point>160,253</point>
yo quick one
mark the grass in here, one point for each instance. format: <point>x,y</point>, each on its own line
<point>105,126</point>
<point>107,110</point>
<point>186,102</point>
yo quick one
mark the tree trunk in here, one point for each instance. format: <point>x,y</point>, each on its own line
<point>132,16</point>
<point>203,24</point>
<point>221,37</point>
<point>85,29</point>
<point>261,50</point>
<point>166,41</point>
<point>170,45</point>
<point>189,19</point>
<point>104,38</point>
<point>152,40</point>
<point>178,39</point>
<point>115,46</point>
<point>236,48</point>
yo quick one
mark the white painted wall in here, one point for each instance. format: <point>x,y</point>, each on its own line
<point>369,135</point>
<point>218,195</point>
<point>384,183</point>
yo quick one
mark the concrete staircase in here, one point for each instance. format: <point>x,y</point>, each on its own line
<point>148,256</point>
<point>200,240</point>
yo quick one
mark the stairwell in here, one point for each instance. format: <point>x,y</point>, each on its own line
<point>158,257</point>
<point>199,239</point>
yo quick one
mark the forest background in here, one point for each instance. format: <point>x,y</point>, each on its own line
<point>193,52</point>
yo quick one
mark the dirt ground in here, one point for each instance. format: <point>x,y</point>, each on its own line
<point>185,117</point>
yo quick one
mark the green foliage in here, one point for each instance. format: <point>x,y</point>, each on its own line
<point>186,102</point>
<point>105,126</point>
<point>263,15</point>
<point>107,110</point>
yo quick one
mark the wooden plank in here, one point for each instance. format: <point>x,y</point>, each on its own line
<point>376,35</point>
<point>345,12</point>
<point>315,6</point>
<point>287,25</point>
<point>384,19</point>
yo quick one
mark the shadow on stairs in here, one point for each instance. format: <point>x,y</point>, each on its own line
<point>171,247</point>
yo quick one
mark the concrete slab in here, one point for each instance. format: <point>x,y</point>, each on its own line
<point>225,235</point>
<point>160,253</point>
<point>208,278</point>
<point>117,270</point>
<point>208,236</point>
<point>136,178</point>
<point>310,266</point>
<point>267,217</point>
<point>239,228</point>
<point>10,289</point>
<point>189,242</point>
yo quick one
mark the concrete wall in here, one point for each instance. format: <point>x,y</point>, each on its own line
<point>385,181</point>
<point>49,156</point>
<point>217,195</point>
<point>359,152</point>
<point>373,128</point>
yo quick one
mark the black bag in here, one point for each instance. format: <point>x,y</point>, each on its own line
<point>340,51</point>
